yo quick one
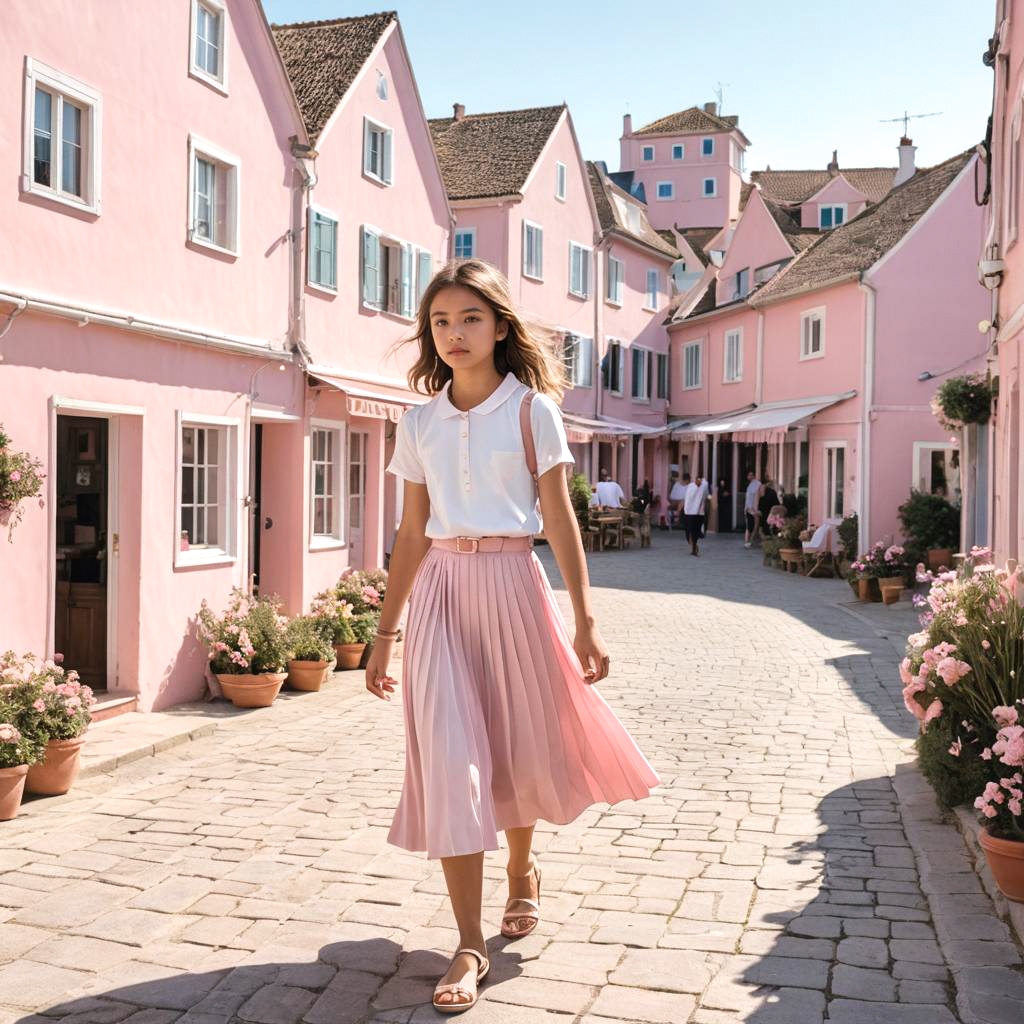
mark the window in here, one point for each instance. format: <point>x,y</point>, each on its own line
<point>647,154</point>
<point>733,370</point>
<point>710,187</point>
<point>394,273</point>
<point>707,147</point>
<point>678,151</point>
<point>653,288</point>
<point>62,119</point>
<point>641,382</point>
<point>691,365</point>
<point>616,279</point>
<point>812,333</point>
<point>1013,180</point>
<point>559,180</point>
<point>613,367</point>
<point>208,53</point>
<point>424,272</point>
<point>465,243</point>
<point>831,216</point>
<point>213,196</point>
<point>578,353</point>
<point>322,249</point>
<point>533,251</point>
<point>382,85</point>
<point>661,375</point>
<point>835,460</point>
<point>206,490</point>
<point>741,283</point>
<point>579,270</point>
<point>376,151</point>
<point>326,443</point>
<point>767,272</point>
<point>937,469</point>
<point>665,190</point>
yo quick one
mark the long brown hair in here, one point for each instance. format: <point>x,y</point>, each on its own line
<point>527,351</point>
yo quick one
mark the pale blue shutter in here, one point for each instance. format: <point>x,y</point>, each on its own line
<point>385,145</point>
<point>329,250</point>
<point>371,268</point>
<point>406,267</point>
<point>539,235</point>
<point>311,247</point>
<point>424,273</point>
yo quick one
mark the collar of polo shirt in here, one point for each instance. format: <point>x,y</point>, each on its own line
<point>499,395</point>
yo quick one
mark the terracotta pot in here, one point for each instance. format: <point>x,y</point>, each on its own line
<point>939,558</point>
<point>892,592</point>
<point>1006,859</point>
<point>56,773</point>
<point>12,785</point>
<point>307,675</point>
<point>868,590</point>
<point>891,581</point>
<point>349,655</point>
<point>245,691</point>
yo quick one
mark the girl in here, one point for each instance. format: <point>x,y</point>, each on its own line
<point>502,726</point>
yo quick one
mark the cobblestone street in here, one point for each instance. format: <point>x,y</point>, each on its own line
<point>778,876</point>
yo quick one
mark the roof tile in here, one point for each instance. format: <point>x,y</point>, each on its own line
<point>610,218</point>
<point>693,119</point>
<point>799,186</point>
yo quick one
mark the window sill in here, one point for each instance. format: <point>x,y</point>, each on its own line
<point>664,199</point>
<point>380,182</point>
<point>577,385</point>
<point>813,355</point>
<point>650,309</point>
<point>202,559</point>
<point>693,387</point>
<point>30,188</point>
<point>532,277</point>
<point>326,544</point>
<point>578,295</point>
<point>323,289</point>
<point>734,380</point>
<point>612,302</point>
<point>642,401</point>
<point>206,79</point>
<point>203,243</point>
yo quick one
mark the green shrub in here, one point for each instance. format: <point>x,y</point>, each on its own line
<point>929,521</point>
<point>796,505</point>
<point>962,400</point>
<point>956,780</point>
<point>849,530</point>
<point>310,638</point>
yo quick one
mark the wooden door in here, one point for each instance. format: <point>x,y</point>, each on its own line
<point>81,630</point>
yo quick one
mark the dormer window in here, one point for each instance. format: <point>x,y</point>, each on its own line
<point>208,53</point>
<point>707,147</point>
<point>831,216</point>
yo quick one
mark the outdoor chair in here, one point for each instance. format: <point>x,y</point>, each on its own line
<point>820,551</point>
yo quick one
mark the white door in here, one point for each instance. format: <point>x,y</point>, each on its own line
<point>357,442</point>
<point>835,468</point>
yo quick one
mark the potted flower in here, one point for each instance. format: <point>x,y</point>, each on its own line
<point>310,651</point>
<point>963,400</point>
<point>247,648</point>
<point>931,525</point>
<point>849,532</point>
<point>879,563</point>
<point>364,590</point>
<point>337,614</point>
<point>790,531</point>
<point>20,478</point>
<point>20,748</point>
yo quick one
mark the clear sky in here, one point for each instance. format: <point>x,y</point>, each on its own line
<point>804,77</point>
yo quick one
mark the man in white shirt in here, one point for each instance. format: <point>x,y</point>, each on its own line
<point>693,510</point>
<point>753,496</point>
<point>609,493</point>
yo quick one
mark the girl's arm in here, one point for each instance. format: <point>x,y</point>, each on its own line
<point>563,535</point>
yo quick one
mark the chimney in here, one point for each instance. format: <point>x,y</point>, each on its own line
<point>906,170</point>
<point>627,124</point>
<point>711,108</point>
<point>460,111</point>
<point>833,167</point>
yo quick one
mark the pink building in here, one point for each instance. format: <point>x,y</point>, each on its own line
<point>687,166</point>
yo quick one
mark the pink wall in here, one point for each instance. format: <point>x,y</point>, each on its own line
<point>756,241</point>
<point>492,233</point>
<point>838,190</point>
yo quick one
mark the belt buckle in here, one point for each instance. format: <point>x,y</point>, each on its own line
<point>475,541</point>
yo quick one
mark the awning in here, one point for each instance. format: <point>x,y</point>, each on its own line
<point>580,429</point>
<point>768,422</point>
<point>377,401</point>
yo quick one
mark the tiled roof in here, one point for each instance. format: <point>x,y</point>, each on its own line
<point>697,239</point>
<point>799,186</point>
<point>610,219</point>
<point>693,119</point>
<point>486,155</point>
<point>705,304</point>
<point>322,59</point>
<point>799,238</point>
<point>855,246</point>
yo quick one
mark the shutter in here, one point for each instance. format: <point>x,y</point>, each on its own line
<point>332,250</point>
<point>539,243</point>
<point>650,370</point>
<point>406,268</point>
<point>526,251</point>
<point>371,268</point>
<point>311,247</point>
<point>585,275</point>
<point>622,367</point>
<point>385,145</point>
<point>367,163</point>
<point>424,273</point>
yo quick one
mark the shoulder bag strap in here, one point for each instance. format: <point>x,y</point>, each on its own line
<point>527,429</point>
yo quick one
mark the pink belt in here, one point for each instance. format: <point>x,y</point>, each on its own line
<point>471,545</point>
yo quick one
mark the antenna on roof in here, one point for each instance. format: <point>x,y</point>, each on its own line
<point>719,93</point>
<point>906,119</point>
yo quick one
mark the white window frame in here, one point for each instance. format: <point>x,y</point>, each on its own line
<point>644,158</point>
<point>386,176</point>
<point>220,80</point>
<point>662,376</point>
<point>681,146</point>
<point>471,232</point>
<point>201,148</point>
<point>733,335</point>
<point>617,280</point>
<point>920,447</point>
<point>713,194</point>
<point>828,467</point>
<point>741,292</point>
<point>398,273</point>
<point>315,208</point>
<point>1013,179</point>
<point>382,85</point>
<point>833,207</point>
<point>561,174</point>
<point>652,296</point>
<point>646,374</point>
<point>227,554</point>
<point>699,347</point>
<point>578,355</point>
<point>620,349</point>
<point>586,260</point>
<point>59,86</point>
<point>707,156</point>
<point>818,312</point>
<point>534,273</point>
<point>336,537</point>
<point>671,191</point>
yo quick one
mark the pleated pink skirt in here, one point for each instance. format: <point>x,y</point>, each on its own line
<point>501,727</point>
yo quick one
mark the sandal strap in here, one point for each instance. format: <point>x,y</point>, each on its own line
<point>454,988</point>
<point>534,868</point>
<point>483,961</point>
<point>521,899</point>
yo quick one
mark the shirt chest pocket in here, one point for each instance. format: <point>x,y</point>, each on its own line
<point>511,476</point>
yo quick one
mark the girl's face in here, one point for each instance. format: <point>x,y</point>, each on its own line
<point>464,328</point>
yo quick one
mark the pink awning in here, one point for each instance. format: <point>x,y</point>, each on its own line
<point>376,401</point>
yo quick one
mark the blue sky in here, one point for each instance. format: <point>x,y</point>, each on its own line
<point>804,77</point>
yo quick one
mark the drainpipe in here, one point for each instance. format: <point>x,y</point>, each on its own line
<point>864,462</point>
<point>305,164</point>
<point>759,376</point>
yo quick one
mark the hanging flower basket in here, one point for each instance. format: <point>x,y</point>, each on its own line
<point>963,400</point>
<point>21,477</point>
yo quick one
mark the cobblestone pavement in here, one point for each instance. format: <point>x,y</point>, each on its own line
<point>245,876</point>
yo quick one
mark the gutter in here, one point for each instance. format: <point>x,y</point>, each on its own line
<point>854,275</point>
<point>864,461</point>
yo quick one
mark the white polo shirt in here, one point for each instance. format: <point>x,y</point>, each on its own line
<point>473,462</point>
<point>696,495</point>
<point>610,493</point>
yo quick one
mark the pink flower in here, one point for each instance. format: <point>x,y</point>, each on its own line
<point>905,677</point>
<point>49,686</point>
<point>1015,807</point>
<point>39,706</point>
<point>993,793</point>
<point>1009,745</point>
<point>58,659</point>
<point>15,476</point>
<point>1005,716</point>
<point>8,734</point>
<point>951,670</point>
<point>985,644</point>
<point>989,811</point>
<point>986,754</point>
<point>933,711</point>
<point>955,748</point>
<point>916,686</point>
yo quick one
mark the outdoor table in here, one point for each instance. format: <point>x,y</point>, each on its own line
<point>611,523</point>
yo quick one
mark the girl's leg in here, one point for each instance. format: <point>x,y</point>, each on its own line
<point>465,879</point>
<point>520,844</point>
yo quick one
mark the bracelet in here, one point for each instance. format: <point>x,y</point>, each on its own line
<point>387,632</point>
<point>387,636</point>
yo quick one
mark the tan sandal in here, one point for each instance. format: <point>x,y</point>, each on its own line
<point>458,989</point>
<point>532,916</point>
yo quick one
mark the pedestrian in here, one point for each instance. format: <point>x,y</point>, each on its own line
<point>676,494</point>
<point>724,507</point>
<point>643,497</point>
<point>693,510</point>
<point>768,500</point>
<point>609,492</point>
<point>503,724</point>
<point>750,510</point>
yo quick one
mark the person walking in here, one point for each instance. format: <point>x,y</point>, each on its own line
<point>693,510</point>
<point>676,494</point>
<point>503,723</point>
<point>768,500</point>
<point>609,492</point>
<point>750,509</point>
<point>724,507</point>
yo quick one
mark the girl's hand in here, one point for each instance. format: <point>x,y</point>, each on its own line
<point>378,682</point>
<point>593,654</point>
